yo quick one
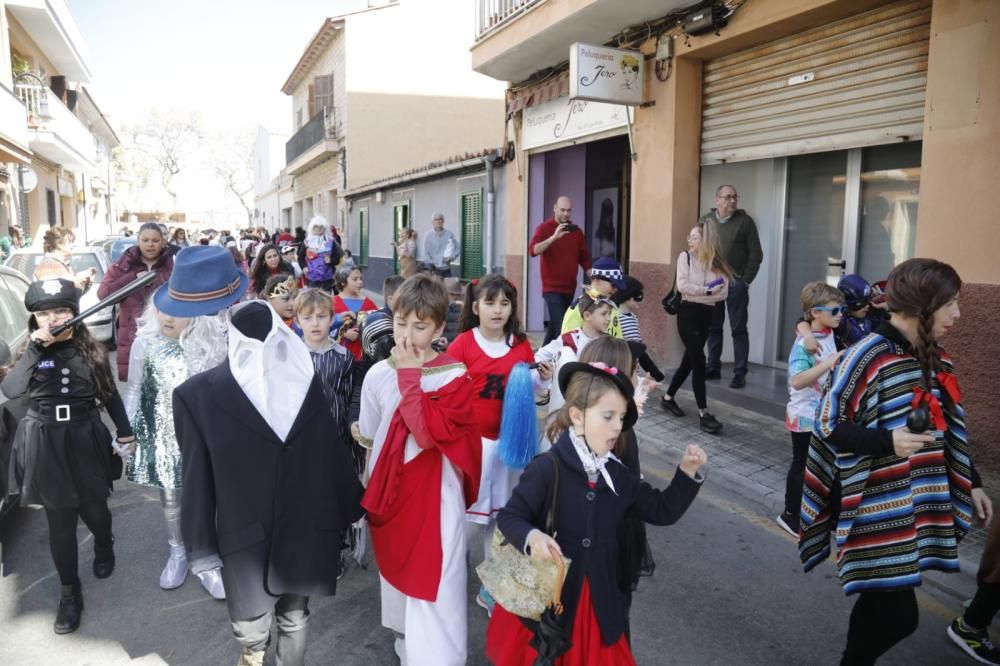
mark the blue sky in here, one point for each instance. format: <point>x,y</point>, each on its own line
<point>226,58</point>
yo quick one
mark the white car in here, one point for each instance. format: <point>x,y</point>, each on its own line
<point>101,324</point>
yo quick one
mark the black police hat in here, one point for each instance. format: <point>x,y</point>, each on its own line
<point>53,293</point>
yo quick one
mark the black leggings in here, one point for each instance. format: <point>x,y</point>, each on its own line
<point>879,621</point>
<point>693,321</point>
<point>62,535</point>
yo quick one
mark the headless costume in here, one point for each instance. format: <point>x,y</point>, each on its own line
<point>425,468</point>
<point>268,491</point>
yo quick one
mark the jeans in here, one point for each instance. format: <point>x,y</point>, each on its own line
<point>879,620</point>
<point>442,272</point>
<point>693,321</point>
<point>556,304</point>
<point>796,473</point>
<point>62,535</point>
<point>737,302</point>
<point>292,613</point>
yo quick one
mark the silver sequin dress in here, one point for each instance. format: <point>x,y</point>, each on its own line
<point>157,459</point>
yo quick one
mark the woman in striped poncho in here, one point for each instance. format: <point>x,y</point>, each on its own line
<point>906,498</point>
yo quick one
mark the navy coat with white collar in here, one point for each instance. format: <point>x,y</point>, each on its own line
<point>586,524</point>
<point>275,511</point>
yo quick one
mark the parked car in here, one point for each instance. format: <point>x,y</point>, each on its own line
<point>13,336</point>
<point>113,246</point>
<point>102,324</point>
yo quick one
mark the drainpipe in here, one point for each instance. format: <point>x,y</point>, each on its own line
<point>490,162</point>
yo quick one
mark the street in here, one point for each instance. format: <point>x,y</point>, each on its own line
<point>727,589</point>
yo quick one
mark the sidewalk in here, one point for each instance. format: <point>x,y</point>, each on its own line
<point>751,457</point>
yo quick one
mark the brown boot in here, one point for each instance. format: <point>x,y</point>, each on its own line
<point>250,657</point>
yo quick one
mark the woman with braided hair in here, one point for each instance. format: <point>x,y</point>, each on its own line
<point>908,490</point>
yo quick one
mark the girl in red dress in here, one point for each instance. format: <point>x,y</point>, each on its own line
<point>490,344</point>
<point>348,304</point>
<point>594,492</point>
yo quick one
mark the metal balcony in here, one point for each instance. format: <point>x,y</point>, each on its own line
<point>54,132</point>
<point>321,127</point>
<point>492,14</point>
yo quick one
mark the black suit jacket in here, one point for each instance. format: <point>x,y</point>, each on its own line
<point>274,511</point>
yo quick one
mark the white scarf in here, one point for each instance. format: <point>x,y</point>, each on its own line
<point>593,464</point>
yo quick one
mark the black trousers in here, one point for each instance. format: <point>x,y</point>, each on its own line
<point>62,535</point>
<point>693,322</point>
<point>737,303</point>
<point>879,621</point>
<point>556,304</point>
<point>984,606</point>
<point>796,472</point>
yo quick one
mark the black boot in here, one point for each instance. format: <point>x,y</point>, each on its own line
<point>70,609</point>
<point>104,560</point>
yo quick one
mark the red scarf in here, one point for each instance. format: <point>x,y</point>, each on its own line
<point>949,384</point>
<point>403,500</point>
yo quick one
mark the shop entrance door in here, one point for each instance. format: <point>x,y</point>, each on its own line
<point>852,211</point>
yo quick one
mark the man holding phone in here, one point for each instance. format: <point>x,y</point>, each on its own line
<point>562,247</point>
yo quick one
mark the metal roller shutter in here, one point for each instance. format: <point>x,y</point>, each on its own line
<point>857,82</point>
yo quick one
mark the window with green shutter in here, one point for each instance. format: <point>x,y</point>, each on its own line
<point>472,235</point>
<point>363,237</point>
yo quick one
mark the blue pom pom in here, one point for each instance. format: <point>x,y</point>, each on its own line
<point>518,423</point>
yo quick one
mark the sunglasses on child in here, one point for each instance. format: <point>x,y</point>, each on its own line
<point>832,309</point>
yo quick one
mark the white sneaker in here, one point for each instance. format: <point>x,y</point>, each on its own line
<point>211,580</point>
<point>176,569</point>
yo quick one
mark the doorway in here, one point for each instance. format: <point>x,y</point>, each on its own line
<point>400,221</point>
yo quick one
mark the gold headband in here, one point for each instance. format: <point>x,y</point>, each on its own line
<point>286,289</point>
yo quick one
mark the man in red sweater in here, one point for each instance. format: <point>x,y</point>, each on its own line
<point>562,247</point>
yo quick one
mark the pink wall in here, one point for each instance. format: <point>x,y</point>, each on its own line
<point>551,175</point>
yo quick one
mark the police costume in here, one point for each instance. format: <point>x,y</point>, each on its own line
<point>62,455</point>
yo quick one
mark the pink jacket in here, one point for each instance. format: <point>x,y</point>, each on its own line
<point>691,281</point>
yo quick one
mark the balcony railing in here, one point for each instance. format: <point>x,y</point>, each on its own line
<point>61,136</point>
<point>491,14</point>
<point>320,127</point>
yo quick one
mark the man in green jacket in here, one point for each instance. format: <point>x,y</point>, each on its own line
<point>741,248</point>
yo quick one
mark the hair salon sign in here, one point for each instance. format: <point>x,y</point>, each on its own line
<point>602,74</point>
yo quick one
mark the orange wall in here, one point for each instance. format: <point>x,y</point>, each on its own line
<point>961,153</point>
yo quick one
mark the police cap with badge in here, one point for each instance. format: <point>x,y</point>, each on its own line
<point>52,294</point>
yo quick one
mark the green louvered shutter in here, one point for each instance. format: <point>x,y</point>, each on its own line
<point>472,235</point>
<point>363,248</point>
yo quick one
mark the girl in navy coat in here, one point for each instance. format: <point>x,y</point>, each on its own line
<point>594,492</point>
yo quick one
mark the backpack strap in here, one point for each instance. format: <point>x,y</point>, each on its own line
<point>569,341</point>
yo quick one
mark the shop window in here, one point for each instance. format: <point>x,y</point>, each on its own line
<point>890,187</point>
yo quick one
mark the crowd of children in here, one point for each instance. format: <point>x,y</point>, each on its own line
<point>418,389</point>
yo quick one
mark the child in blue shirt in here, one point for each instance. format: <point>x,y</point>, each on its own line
<point>823,307</point>
<point>863,315</point>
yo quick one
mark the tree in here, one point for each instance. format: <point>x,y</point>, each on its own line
<point>168,138</point>
<point>232,162</point>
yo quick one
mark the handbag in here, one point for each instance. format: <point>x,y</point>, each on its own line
<point>521,584</point>
<point>672,301</point>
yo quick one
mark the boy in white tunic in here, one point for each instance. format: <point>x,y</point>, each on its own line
<point>424,468</point>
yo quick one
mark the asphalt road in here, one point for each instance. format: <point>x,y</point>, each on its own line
<point>727,589</point>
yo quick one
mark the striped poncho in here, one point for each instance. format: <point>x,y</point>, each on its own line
<point>897,516</point>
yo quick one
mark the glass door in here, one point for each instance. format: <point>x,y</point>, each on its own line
<point>813,233</point>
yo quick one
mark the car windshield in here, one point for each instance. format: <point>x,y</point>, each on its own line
<point>25,262</point>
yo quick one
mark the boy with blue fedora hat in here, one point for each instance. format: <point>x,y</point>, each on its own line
<point>180,335</point>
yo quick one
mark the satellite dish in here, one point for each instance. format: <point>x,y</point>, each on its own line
<point>29,179</point>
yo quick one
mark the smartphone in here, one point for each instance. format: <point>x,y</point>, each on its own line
<point>571,227</point>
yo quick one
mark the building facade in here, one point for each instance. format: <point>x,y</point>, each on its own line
<point>67,180</point>
<point>858,133</point>
<point>377,121</point>
<point>272,192</point>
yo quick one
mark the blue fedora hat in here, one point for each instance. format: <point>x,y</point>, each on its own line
<point>205,280</point>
